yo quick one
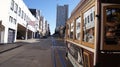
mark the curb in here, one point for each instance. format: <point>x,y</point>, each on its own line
<point>9,49</point>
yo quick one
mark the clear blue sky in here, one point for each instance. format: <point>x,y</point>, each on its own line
<point>48,9</point>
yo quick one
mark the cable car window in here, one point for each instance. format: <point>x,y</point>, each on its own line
<point>78,22</point>
<point>88,27</point>
<point>112,28</point>
<point>72,30</point>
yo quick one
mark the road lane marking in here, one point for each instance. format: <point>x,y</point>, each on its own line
<point>61,58</point>
<point>53,52</point>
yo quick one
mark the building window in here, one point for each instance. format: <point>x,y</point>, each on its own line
<point>12,5</point>
<point>91,16</point>
<point>14,21</point>
<point>16,8</point>
<point>10,19</point>
<point>88,19</point>
<point>22,14</point>
<point>26,18</point>
<point>19,11</point>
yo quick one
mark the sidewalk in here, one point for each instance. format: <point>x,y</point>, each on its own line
<point>29,40</point>
<point>18,43</point>
<point>7,47</point>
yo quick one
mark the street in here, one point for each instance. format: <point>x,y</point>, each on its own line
<point>36,53</point>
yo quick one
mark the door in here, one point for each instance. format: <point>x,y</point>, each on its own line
<point>11,36</point>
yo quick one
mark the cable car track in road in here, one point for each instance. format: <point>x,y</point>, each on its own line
<point>53,53</point>
<point>62,61</point>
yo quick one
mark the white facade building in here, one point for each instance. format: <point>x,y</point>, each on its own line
<point>15,21</point>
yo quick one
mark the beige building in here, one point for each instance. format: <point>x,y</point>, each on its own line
<point>44,27</point>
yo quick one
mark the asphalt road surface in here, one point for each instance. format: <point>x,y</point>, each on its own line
<point>36,53</point>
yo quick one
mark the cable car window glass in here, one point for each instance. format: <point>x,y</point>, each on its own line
<point>68,30</point>
<point>88,27</point>
<point>72,29</point>
<point>112,26</point>
<point>78,21</point>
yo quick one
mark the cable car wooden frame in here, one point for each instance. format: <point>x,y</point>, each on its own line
<point>91,36</point>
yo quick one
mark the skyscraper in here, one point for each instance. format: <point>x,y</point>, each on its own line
<point>62,15</point>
